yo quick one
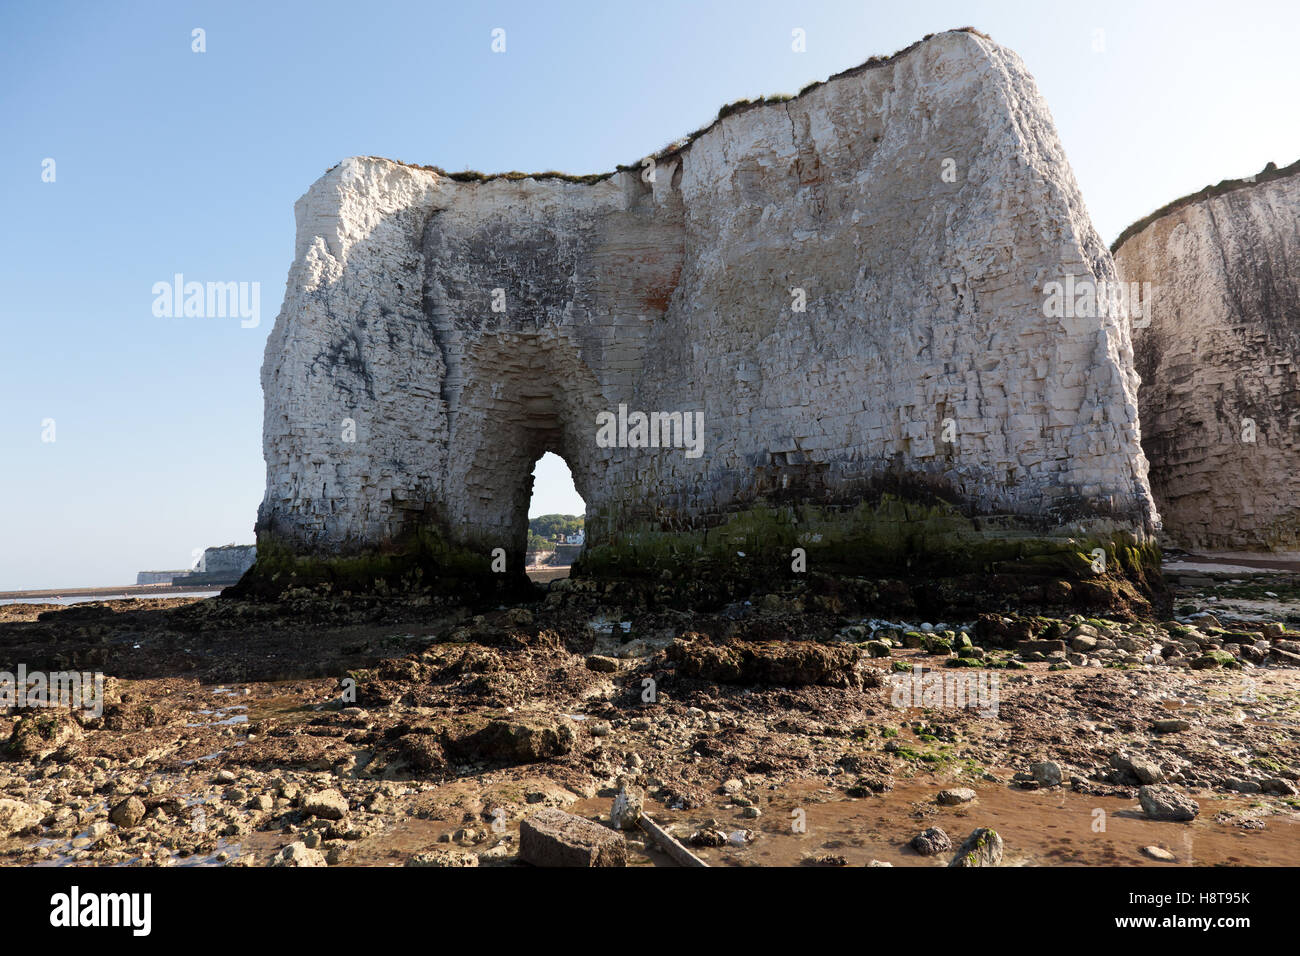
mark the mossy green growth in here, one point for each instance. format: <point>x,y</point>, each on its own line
<point>1269,765</point>
<point>886,536</point>
<point>45,725</point>
<point>423,560</point>
<point>937,645</point>
<point>1212,658</point>
<point>889,536</point>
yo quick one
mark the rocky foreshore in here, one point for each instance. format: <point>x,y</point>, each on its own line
<point>406,730</point>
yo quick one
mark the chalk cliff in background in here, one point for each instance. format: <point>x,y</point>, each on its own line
<point>1220,361</point>
<point>923,411</point>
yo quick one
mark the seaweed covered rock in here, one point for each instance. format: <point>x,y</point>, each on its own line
<point>787,663</point>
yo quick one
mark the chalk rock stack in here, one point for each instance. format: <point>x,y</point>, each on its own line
<point>1219,358</point>
<point>846,286</point>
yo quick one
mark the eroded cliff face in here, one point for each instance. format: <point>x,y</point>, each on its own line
<point>922,409</point>
<point>1220,362</point>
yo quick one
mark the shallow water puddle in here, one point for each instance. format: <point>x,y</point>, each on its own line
<point>1038,827</point>
<point>222,717</point>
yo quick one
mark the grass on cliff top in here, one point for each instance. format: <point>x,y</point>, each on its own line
<point>679,146</point>
<point>1267,174</point>
<point>474,176</point>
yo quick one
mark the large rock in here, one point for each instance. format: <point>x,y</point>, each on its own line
<point>785,663</point>
<point>17,817</point>
<point>554,838</point>
<point>521,739</point>
<point>476,738</point>
<point>326,804</point>
<point>930,841</point>
<point>628,806</point>
<point>1047,773</point>
<point>982,848</point>
<point>955,796</point>
<point>40,734</point>
<point>1213,659</point>
<point>1137,767</point>
<point>128,812</point>
<point>298,854</point>
<point>847,291</point>
<point>1219,356</point>
<point>1165,803</point>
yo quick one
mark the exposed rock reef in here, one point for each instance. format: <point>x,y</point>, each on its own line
<point>1220,361</point>
<point>407,729</point>
<point>439,333</point>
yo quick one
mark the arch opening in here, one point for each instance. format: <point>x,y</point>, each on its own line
<point>556,534</point>
<point>529,400</point>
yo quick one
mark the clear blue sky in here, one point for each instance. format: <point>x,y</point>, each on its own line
<point>172,161</point>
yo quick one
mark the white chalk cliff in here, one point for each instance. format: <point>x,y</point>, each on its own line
<point>920,202</point>
<point>1220,361</point>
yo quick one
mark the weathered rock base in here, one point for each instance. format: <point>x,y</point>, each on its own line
<point>894,554</point>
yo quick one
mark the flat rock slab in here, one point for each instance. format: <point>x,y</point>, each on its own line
<point>442,858</point>
<point>1159,853</point>
<point>327,804</point>
<point>1040,647</point>
<point>555,838</point>
<point>951,798</point>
